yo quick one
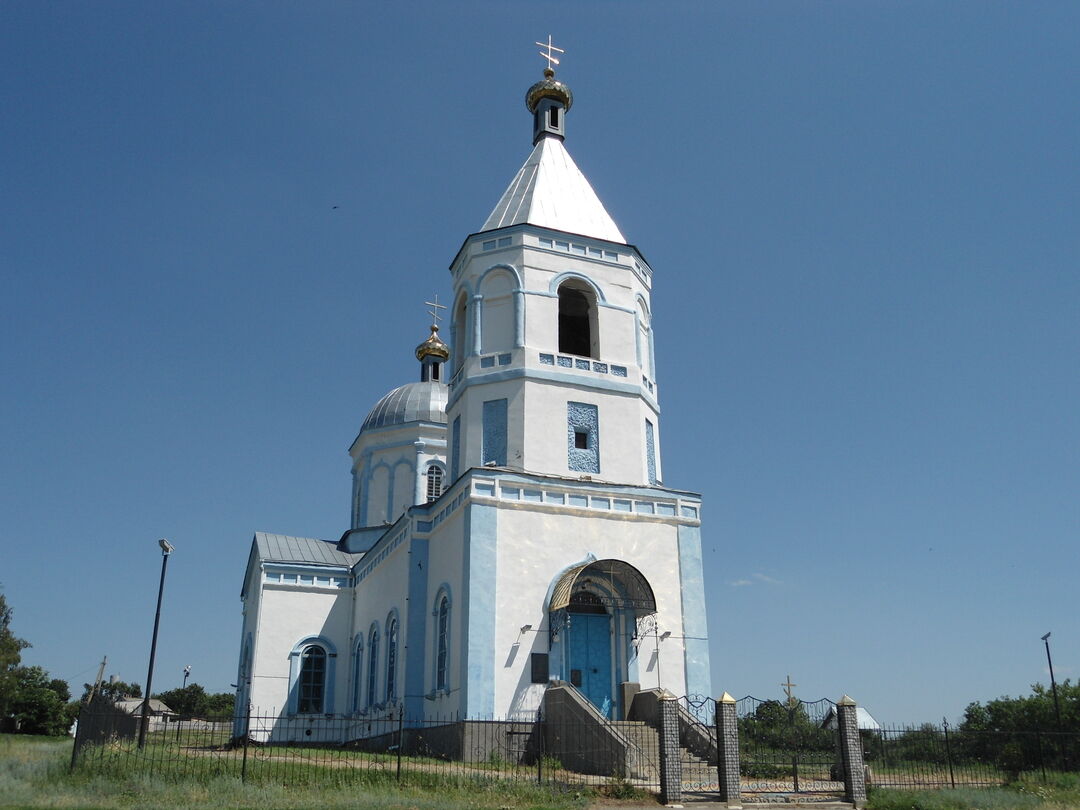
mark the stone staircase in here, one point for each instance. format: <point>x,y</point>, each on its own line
<point>696,772</point>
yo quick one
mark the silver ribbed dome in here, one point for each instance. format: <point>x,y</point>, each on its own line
<point>415,402</point>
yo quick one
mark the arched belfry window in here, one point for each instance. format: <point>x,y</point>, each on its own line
<point>434,482</point>
<point>312,681</point>
<point>577,320</point>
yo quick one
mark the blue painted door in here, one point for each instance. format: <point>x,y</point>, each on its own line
<point>590,658</point>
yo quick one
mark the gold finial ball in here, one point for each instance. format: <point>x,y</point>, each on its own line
<point>433,347</point>
<point>548,87</point>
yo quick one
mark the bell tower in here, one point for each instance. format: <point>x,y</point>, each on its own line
<point>552,366</point>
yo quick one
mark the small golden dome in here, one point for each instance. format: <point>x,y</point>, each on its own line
<point>548,87</point>
<point>433,347</point>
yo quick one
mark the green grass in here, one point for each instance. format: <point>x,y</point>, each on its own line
<point>34,774</point>
<point>1058,792</point>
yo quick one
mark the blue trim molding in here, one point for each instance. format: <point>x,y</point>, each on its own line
<point>692,596</point>
<point>478,604</point>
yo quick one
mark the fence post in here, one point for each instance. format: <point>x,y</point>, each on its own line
<point>670,753</point>
<point>851,753</point>
<point>400,738</point>
<point>727,750</point>
<point>247,734</point>
<point>948,752</point>
<point>540,746</point>
<point>78,733</point>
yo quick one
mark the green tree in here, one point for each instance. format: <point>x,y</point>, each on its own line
<point>194,701</point>
<point>39,704</point>
<point>112,691</point>
<point>11,648</point>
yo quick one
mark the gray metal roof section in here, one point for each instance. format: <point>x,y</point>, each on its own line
<point>550,191</point>
<point>283,548</point>
<point>415,402</point>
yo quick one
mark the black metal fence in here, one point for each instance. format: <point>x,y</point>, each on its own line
<point>933,756</point>
<point>336,750</point>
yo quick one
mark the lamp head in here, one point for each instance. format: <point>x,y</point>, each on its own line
<point>525,628</point>
<point>1044,638</point>
<point>166,546</point>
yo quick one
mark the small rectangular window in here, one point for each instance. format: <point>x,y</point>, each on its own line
<point>489,245</point>
<point>581,439</point>
<point>539,668</point>
<point>504,241</point>
<point>553,116</point>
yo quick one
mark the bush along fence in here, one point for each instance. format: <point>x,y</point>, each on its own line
<point>724,749</point>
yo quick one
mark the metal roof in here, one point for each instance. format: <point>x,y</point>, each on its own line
<point>282,548</point>
<point>632,588</point>
<point>415,402</point>
<point>550,191</point>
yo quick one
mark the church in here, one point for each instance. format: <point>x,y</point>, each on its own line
<point>510,526</point>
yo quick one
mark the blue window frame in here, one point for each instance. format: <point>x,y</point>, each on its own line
<point>373,664</point>
<point>442,635</point>
<point>494,449</point>
<point>312,681</point>
<point>391,658</point>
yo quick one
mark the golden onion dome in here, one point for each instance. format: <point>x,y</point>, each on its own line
<point>548,87</point>
<point>433,347</point>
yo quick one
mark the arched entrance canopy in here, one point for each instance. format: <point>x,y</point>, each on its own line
<point>627,587</point>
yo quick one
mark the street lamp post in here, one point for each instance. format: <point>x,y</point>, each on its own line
<point>1053,683</point>
<point>166,550</point>
<point>187,671</point>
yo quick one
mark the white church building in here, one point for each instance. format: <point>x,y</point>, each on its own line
<point>510,527</point>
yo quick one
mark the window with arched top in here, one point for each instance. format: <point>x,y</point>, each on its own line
<point>577,320</point>
<point>434,482</point>
<point>373,664</point>
<point>358,674</point>
<point>442,639</point>
<point>391,658</point>
<point>312,681</point>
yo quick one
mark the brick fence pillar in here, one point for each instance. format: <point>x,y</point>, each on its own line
<point>727,750</point>
<point>670,753</point>
<point>851,753</point>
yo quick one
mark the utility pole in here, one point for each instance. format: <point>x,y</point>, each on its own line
<point>97,680</point>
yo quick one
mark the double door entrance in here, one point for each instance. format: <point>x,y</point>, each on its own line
<point>589,654</point>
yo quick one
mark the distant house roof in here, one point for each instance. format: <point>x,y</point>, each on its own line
<point>863,719</point>
<point>283,548</point>
<point>134,706</point>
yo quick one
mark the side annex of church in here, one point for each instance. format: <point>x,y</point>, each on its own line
<point>510,528</point>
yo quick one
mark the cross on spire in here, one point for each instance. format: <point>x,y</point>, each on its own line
<point>551,60</point>
<point>434,311</point>
<point>788,686</point>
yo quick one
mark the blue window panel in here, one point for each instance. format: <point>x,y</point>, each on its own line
<point>601,503</point>
<point>547,359</point>
<point>534,495</point>
<point>618,371</point>
<point>482,489</point>
<point>511,493</point>
<point>504,359</point>
<point>582,418</point>
<point>689,511</point>
<point>623,506</point>
<point>555,497</point>
<point>665,509</point>
<point>583,364</point>
<point>600,367</point>
<point>650,450</point>
<point>489,245</point>
<point>565,362</point>
<point>578,500</point>
<point>494,448</point>
<point>504,241</point>
<point>645,507</point>
<point>487,362</point>
<point>455,454</point>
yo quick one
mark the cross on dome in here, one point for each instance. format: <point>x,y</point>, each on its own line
<point>434,311</point>
<point>551,60</point>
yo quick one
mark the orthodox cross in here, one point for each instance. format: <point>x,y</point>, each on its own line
<point>434,311</point>
<point>552,60</point>
<point>788,686</point>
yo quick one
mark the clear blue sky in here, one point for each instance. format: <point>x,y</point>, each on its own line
<point>862,218</point>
